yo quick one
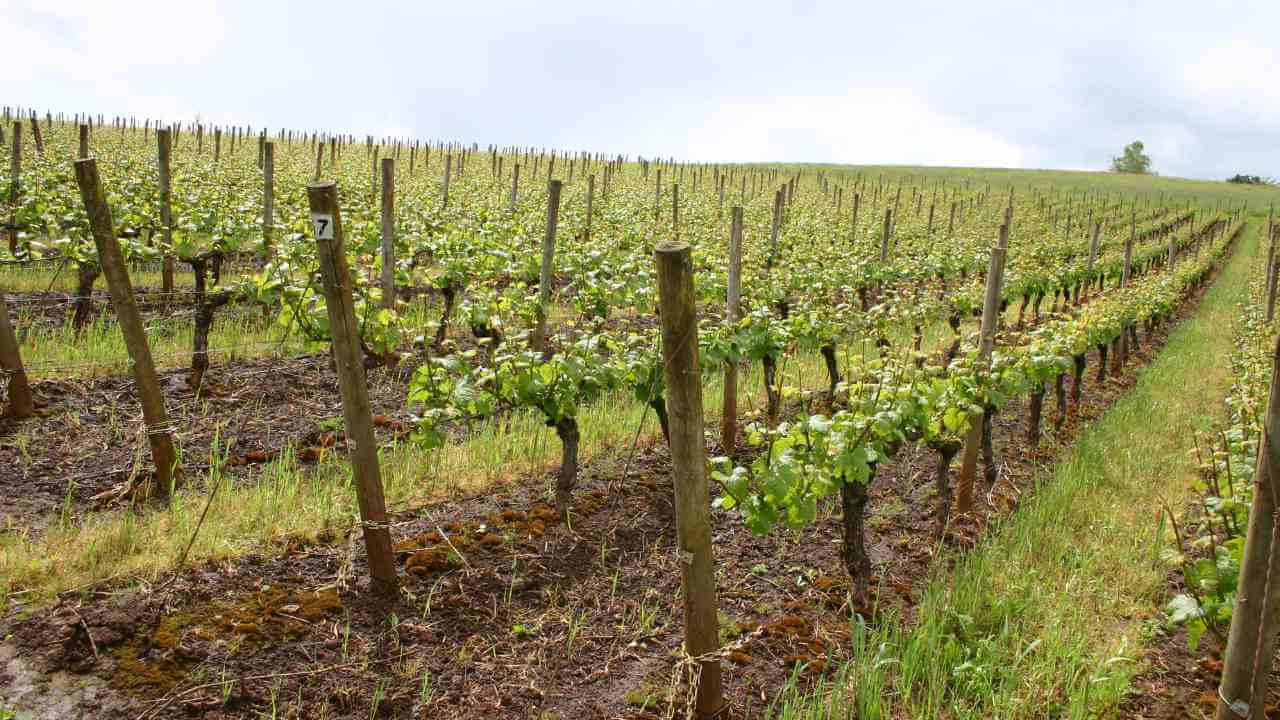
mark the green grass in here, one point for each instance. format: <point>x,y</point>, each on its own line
<point>1046,617</point>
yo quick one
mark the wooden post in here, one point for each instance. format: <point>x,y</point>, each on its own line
<point>853,224</point>
<point>1128,250</point>
<point>21,403</point>
<point>733,299</point>
<point>448,165</point>
<point>1093,247</point>
<point>35,132</point>
<point>591,196</point>
<point>331,253</point>
<point>135,336</point>
<point>319,161</point>
<point>15,186</point>
<point>775,227</point>
<point>268,196</point>
<point>388,232</point>
<point>515,185</point>
<point>688,458</point>
<point>545,276</point>
<point>1257,561</point>
<point>217,145</point>
<point>1271,249</point>
<point>84,142</point>
<point>884,237</point>
<point>675,211</point>
<point>986,341</point>
<point>166,211</point>
<point>1272,269</point>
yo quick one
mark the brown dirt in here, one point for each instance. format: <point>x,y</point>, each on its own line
<point>505,611</point>
<point>516,614</point>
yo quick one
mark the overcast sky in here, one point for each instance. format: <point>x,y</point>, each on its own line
<point>1008,84</point>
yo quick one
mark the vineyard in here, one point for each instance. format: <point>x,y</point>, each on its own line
<point>304,425</point>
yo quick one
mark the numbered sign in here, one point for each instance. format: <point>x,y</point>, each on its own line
<point>322,224</point>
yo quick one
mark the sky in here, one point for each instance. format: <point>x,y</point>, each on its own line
<point>979,83</point>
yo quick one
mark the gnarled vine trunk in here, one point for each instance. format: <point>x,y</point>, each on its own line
<point>659,405</point>
<point>1060,394</point>
<point>771,389</point>
<point>854,497</point>
<point>1034,411</point>
<point>86,275</point>
<point>449,292</point>
<point>1077,378</point>
<point>833,370</point>
<point>942,482</point>
<point>567,479</point>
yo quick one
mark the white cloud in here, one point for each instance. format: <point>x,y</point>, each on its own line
<point>1000,83</point>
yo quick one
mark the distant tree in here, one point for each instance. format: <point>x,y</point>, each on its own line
<point>1134,160</point>
<point>1250,180</point>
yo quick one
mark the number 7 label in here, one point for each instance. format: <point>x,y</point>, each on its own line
<point>323,226</point>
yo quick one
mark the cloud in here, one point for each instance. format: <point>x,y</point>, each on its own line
<point>994,83</point>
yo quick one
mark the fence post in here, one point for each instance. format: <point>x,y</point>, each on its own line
<point>326,223</point>
<point>591,197</point>
<point>448,165</point>
<point>388,232</point>
<point>1272,269</point>
<point>166,211</point>
<point>733,298</point>
<point>21,404</point>
<point>986,341</point>
<point>268,196</point>
<point>545,275</point>
<point>135,336</point>
<point>1256,559</point>
<point>515,185</point>
<point>15,186</point>
<point>688,459</point>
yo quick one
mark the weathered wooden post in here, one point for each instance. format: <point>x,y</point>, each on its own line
<point>775,227</point>
<point>268,196</point>
<point>986,341</point>
<point>166,210</point>
<point>448,165</point>
<point>1258,560</point>
<point>1272,269</point>
<point>545,275</point>
<point>675,211</point>
<point>515,185</point>
<point>159,429</point>
<point>35,133</point>
<point>733,299</point>
<point>884,236</point>
<point>591,197</point>
<point>388,232</point>
<point>15,186</point>
<point>326,222</point>
<point>21,403</point>
<point>689,466</point>
<point>1093,252</point>
<point>83,151</point>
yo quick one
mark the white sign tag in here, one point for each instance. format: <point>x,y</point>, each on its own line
<point>322,223</point>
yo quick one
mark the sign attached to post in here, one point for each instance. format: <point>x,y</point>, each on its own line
<point>322,224</point>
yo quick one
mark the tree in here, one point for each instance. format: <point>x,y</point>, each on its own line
<point>1250,180</point>
<point>1134,160</point>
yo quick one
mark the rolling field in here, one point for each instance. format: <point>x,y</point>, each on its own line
<point>944,442</point>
